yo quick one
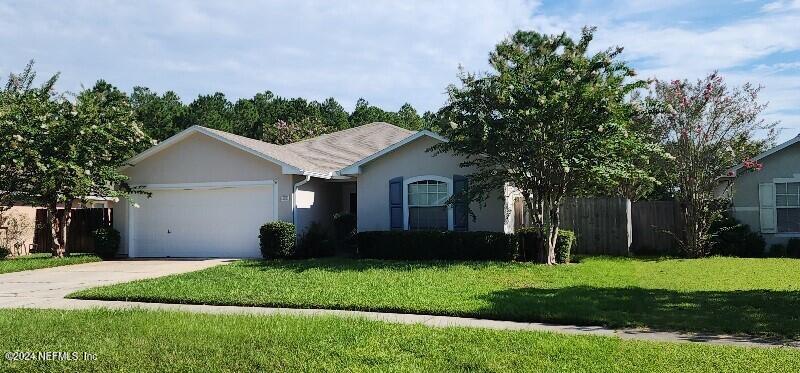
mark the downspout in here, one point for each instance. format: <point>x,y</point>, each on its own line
<point>294,198</point>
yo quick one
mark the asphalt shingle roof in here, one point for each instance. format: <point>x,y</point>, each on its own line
<point>330,152</point>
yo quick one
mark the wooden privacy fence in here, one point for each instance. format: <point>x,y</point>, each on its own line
<point>79,232</point>
<point>602,225</point>
<point>617,226</point>
<point>656,226</point>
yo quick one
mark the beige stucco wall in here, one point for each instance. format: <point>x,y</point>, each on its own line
<point>28,215</point>
<point>409,161</point>
<point>783,164</point>
<point>197,159</point>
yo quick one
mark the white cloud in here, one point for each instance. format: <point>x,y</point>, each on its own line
<point>734,48</point>
<point>389,52</point>
<point>781,6</point>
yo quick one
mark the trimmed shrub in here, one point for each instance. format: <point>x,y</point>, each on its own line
<point>777,251</point>
<point>277,240</point>
<point>427,245</point>
<point>106,242</point>
<point>344,233</point>
<point>314,242</point>
<point>793,248</point>
<point>344,226</point>
<point>4,252</point>
<point>564,245</point>
<point>731,238</point>
<point>530,237</point>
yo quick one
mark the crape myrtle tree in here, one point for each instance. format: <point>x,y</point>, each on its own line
<point>551,119</point>
<point>707,127</point>
<point>65,150</point>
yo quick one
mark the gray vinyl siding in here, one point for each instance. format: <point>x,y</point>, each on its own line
<point>783,164</point>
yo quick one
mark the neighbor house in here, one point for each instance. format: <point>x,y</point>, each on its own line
<point>210,191</point>
<point>768,200</point>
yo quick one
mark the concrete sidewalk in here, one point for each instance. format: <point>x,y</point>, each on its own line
<point>434,321</point>
<point>46,288</point>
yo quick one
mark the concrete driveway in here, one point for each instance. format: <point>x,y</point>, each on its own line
<point>47,287</point>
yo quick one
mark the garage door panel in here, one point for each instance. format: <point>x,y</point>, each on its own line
<point>220,222</point>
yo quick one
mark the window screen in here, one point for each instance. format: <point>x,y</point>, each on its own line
<point>427,209</point>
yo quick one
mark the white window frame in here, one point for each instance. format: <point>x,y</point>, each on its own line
<point>415,179</point>
<point>795,179</point>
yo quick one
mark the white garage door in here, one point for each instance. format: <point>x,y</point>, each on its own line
<point>202,221</point>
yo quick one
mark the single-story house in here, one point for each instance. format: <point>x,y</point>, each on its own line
<point>210,190</point>
<point>768,200</point>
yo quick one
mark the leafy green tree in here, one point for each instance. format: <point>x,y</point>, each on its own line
<point>706,128</point>
<point>408,118</point>
<point>160,116</point>
<point>266,116</point>
<point>365,113</point>
<point>283,132</point>
<point>333,115</point>
<point>432,122</point>
<point>549,118</point>
<point>21,106</point>
<point>213,111</point>
<point>245,119</point>
<point>66,150</point>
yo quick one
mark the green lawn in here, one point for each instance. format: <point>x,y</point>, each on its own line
<point>171,341</point>
<point>749,296</point>
<point>36,261</point>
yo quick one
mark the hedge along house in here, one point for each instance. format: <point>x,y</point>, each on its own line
<point>210,190</point>
<point>769,200</point>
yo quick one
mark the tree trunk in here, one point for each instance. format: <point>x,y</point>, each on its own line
<point>544,216</point>
<point>552,233</point>
<point>58,227</point>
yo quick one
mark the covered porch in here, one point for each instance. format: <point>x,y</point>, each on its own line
<point>317,200</point>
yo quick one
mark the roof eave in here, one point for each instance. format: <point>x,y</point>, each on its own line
<point>285,167</point>
<point>765,154</point>
<point>355,168</point>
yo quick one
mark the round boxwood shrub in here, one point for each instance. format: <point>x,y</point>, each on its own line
<point>106,242</point>
<point>529,239</point>
<point>731,238</point>
<point>793,248</point>
<point>777,251</point>
<point>277,240</point>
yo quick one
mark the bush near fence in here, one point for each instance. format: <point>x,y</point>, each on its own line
<point>529,239</point>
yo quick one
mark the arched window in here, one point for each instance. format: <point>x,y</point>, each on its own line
<point>426,203</point>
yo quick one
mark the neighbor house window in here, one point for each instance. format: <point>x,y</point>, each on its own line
<point>787,202</point>
<point>427,205</point>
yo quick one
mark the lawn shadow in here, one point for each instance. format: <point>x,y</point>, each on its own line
<point>759,313</point>
<point>358,265</point>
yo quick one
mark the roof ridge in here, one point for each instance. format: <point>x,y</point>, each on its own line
<point>345,130</point>
<point>325,153</point>
<point>239,136</point>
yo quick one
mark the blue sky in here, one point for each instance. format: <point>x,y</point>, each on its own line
<point>388,52</point>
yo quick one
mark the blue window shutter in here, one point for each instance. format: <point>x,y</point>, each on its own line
<point>460,207</point>
<point>396,204</point>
